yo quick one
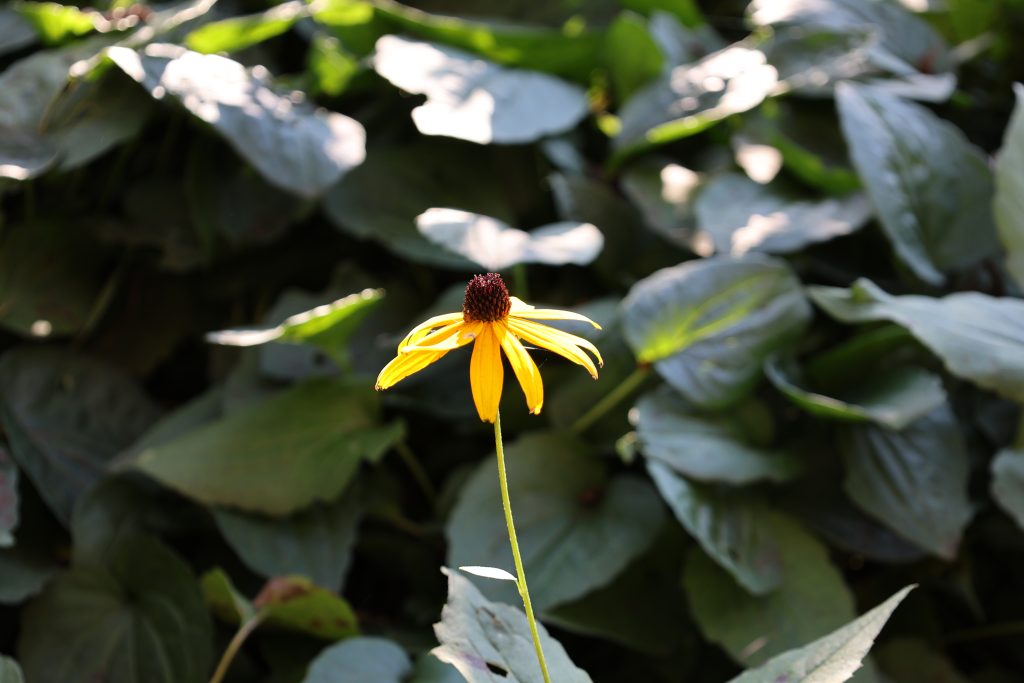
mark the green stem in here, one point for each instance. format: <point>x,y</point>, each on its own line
<point>524,592</point>
<point>417,471</point>
<point>611,399</point>
<point>521,283</point>
<point>244,631</point>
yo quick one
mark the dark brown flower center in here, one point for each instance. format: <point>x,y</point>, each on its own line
<point>486,299</point>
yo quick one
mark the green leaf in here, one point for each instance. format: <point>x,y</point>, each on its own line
<point>812,600</point>
<point>1009,197</point>
<point>692,98</point>
<point>491,643</point>
<point>686,11</point>
<point>566,52</point>
<point>716,447</point>
<point>740,216</point>
<point>979,337</point>
<point>831,659</point>
<point>665,191</point>
<point>8,498</point>
<point>932,188</point>
<point>332,67</point>
<point>893,398</point>
<point>361,660</point>
<point>316,543</point>
<point>299,446</point>
<point>730,526</point>
<point>139,618</point>
<point>10,672</point>
<point>497,246</point>
<point>570,508</point>
<point>292,145</point>
<point>706,325</point>
<point>23,573</point>
<point>462,90</point>
<point>292,603</point>
<point>431,171</point>
<point>328,327</point>
<point>15,32</point>
<point>912,660</point>
<point>914,481</point>
<point>55,23</point>
<point>632,56</point>
<point>1008,482</point>
<point>66,416</point>
<point>238,33</point>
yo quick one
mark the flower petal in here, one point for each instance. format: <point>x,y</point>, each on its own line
<point>445,339</point>
<point>486,374</point>
<point>519,305</point>
<point>526,371</point>
<point>425,327</point>
<point>404,365</point>
<point>564,344</point>
<point>551,314</point>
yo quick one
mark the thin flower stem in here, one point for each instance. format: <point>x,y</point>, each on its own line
<point>524,592</point>
<point>417,471</point>
<point>244,631</point>
<point>521,283</point>
<point>611,399</point>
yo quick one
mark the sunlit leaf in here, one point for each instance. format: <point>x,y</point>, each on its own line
<point>238,33</point>
<point>463,94</point>
<point>1008,482</point>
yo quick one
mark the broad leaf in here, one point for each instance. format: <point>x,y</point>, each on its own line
<point>566,507</point>
<point>8,498</point>
<point>932,189</point>
<point>892,398</point>
<point>1009,197</point>
<point>980,338</point>
<point>139,618</point>
<point>740,215</point>
<point>66,416</point>
<point>464,92</point>
<point>812,600</point>
<point>491,643</point>
<point>707,325</point>
<point>715,447</point>
<point>282,454</point>
<point>361,660</point>
<point>831,659</point>
<point>632,55</point>
<point>294,146</point>
<point>10,672</point>
<point>238,33</point>
<point>913,660</point>
<point>665,191</point>
<point>15,32</point>
<point>292,603</point>
<point>495,245</point>
<point>914,481</point>
<point>56,23</point>
<point>23,572</point>
<point>730,526</point>
<point>1008,482</point>
<point>693,97</point>
<point>316,543</point>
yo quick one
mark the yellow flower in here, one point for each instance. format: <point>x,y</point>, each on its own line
<point>496,322</point>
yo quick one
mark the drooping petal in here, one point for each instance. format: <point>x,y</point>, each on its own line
<point>551,314</point>
<point>564,344</point>
<point>428,325</point>
<point>526,371</point>
<point>519,305</point>
<point>486,374</point>
<point>445,339</point>
<point>404,365</point>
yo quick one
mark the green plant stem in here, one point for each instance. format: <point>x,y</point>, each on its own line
<point>244,631</point>
<point>521,282</point>
<point>524,592</point>
<point>417,471</point>
<point>611,399</point>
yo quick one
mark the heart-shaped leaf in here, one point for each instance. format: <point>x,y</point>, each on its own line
<point>471,99</point>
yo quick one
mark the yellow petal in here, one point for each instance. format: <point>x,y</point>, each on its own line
<point>425,327</point>
<point>486,373</point>
<point>404,365</point>
<point>564,344</point>
<point>526,372</point>
<point>445,339</point>
<point>551,314</point>
<point>519,305</point>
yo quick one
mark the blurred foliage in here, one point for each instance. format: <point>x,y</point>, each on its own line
<point>800,223</point>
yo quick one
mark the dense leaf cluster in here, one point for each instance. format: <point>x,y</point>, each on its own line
<point>799,222</point>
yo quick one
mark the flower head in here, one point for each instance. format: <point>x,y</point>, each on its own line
<point>493,322</point>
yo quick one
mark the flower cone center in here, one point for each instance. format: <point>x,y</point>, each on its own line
<point>487,299</point>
